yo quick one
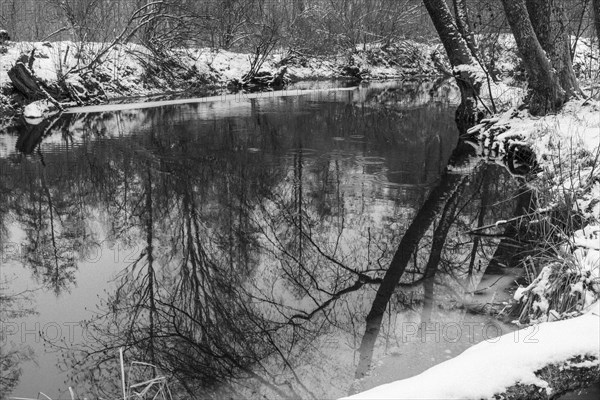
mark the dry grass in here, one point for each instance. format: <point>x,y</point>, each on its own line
<point>140,381</point>
<point>560,284</point>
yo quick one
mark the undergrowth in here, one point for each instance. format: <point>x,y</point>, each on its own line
<point>561,268</point>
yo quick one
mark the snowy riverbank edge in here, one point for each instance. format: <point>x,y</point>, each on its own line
<point>491,367</point>
<point>546,358</point>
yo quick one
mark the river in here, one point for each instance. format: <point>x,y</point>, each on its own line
<point>238,243</point>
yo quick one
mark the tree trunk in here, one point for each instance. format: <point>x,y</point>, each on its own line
<point>24,82</point>
<point>545,93</point>
<point>461,59</point>
<point>596,13</point>
<point>454,44</point>
<point>548,21</point>
<point>486,177</point>
<point>464,26</point>
<point>404,252</point>
<point>440,235</point>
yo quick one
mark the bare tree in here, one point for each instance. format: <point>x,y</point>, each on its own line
<point>264,35</point>
<point>230,20</point>
<point>79,15</point>
<point>13,354</point>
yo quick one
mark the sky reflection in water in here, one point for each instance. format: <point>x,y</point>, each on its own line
<point>236,244</point>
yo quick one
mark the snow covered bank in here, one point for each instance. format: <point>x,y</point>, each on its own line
<point>131,70</point>
<point>491,367</point>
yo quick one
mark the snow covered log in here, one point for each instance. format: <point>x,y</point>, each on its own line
<point>24,81</point>
<point>262,79</point>
<point>538,362</point>
<point>354,72</point>
<point>54,96</point>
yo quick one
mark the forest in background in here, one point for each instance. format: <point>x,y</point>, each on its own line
<point>307,26</point>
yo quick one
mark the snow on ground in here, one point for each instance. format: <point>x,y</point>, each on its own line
<point>586,62</point>
<point>503,95</point>
<point>122,70</point>
<point>492,366</point>
<point>128,70</point>
<point>576,128</point>
<point>227,64</point>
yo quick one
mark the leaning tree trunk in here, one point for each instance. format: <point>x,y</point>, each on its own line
<point>440,235</point>
<point>408,244</point>
<point>461,59</point>
<point>549,24</point>
<point>546,94</point>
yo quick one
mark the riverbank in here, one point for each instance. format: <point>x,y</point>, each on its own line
<point>92,74</point>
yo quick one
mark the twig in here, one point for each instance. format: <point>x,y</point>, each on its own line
<point>485,288</point>
<point>499,223</point>
<point>495,225</point>
<point>122,373</point>
<point>64,28</point>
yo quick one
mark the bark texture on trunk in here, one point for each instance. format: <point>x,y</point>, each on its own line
<point>24,81</point>
<point>546,94</point>
<point>464,25</point>
<point>459,54</point>
<point>455,45</point>
<point>549,24</point>
<point>596,13</point>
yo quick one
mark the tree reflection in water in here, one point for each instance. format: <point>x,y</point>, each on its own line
<point>12,353</point>
<point>265,237</point>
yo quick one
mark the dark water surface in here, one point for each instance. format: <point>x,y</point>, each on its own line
<point>238,244</point>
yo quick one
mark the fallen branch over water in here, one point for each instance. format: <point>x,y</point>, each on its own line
<point>504,222</point>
